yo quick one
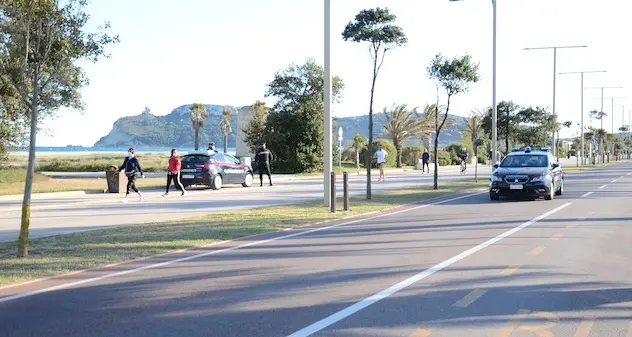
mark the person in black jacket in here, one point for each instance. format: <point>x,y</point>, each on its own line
<point>131,165</point>
<point>263,159</point>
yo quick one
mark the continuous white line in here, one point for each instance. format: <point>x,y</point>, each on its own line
<point>587,194</point>
<point>350,310</point>
<point>193,257</point>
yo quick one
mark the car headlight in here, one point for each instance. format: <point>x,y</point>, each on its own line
<point>496,178</point>
<point>540,177</point>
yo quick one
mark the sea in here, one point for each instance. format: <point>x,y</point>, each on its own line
<point>80,150</point>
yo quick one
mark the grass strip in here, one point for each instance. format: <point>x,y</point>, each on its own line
<point>55,255</point>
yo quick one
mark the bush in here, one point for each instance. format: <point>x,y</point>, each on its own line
<point>391,160</point>
<point>411,154</point>
<point>482,159</point>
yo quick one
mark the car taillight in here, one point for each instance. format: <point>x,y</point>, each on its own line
<point>207,166</point>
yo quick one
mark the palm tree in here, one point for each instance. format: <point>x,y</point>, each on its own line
<point>427,121</point>
<point>400,125</point>
<point>198,117</point>
<point>599,115</point>
<point>474,126</point>
<point>225,125</point>
<point>358,145</point>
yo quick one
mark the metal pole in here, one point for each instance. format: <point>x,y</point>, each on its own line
<point>494,107</point>
<point>601,153</point>
<point>345,179</point>
<point>581,151</point>
<point>327,105</point>
<point>554,78</point>
<point>333,192</point>
<point>613,134</point>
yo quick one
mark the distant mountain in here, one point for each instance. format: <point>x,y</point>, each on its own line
<point>174,129</point>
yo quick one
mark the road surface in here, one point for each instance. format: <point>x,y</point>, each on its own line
<point>52,215</point>
<point>461,266</point>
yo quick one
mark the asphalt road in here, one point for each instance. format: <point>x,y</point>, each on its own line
<point>52,215</point>
<point>462,266</point>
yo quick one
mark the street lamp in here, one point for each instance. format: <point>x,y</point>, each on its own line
<point>612,109</point>
<point>601,111</point>
<point>494,105</point>
<point>327,107</point>
<point>340,148</point>
<point>581,151</point>
<point>555,48</point>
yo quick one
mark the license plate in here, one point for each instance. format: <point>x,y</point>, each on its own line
<point>188,176</point>
<point>515,187</point>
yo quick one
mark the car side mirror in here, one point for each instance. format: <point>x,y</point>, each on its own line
<point>555,165</point>
<point>495,166</point>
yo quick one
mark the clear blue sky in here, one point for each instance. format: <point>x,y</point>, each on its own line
<point>225,52</point>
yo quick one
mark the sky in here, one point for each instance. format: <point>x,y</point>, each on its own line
<point>226,52</point>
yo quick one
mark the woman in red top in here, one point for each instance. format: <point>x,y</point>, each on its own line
<point>173,173</point>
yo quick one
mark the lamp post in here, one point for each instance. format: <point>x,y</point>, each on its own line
<point>581,150</point>
<point>327,164</point>
<point>494,105</point>
<point>340,148</point>
<point>601,111</point>
<point>555,48</point>
<point>612,117</point>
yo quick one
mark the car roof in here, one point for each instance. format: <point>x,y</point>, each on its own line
<point>541,153</point>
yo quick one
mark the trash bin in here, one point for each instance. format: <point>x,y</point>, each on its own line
<point>113,179</point>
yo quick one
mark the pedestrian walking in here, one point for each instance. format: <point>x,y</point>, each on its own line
<point>131,165</point>
<point>381,156</point>
<point>173,172</point>
<point>425,158</point>
<point>263,159</point>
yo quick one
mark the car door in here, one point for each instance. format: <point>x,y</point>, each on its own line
<point>556,172</point>
<point>238,171</point>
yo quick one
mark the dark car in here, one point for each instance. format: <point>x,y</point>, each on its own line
<point>214,170</point>
<point>527,172</point>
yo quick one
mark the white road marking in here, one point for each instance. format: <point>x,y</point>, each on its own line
<point>350,310</point>
<point>603,186</point>
<point>628,174</point>
<point>215,252</point>
<point>587,194</point>
<point>614,181</point>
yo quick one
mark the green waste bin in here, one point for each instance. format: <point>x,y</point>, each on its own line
<point>112,177</point>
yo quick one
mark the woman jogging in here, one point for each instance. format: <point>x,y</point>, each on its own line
<point>173,173</point>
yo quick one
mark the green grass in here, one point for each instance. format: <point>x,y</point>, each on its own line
<point>573,168</point>
<point>12,182</point>
<point>150,162</point>
<point>64,253</point>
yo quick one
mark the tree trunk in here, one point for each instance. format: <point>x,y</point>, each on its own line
<point>357,155</point>
<point>399,155</point>
<point>225,143</point>
<point>436,146</point>
<point>197,139</point>
<point>370,145</point>
<point>475,163</point>
<point>23,239</point>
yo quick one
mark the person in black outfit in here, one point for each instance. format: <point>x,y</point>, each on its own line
<point>425,159</point>
<point>131,165</point>
<point>263,159</point>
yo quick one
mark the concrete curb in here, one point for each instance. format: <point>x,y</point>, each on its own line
<point>44,195</point>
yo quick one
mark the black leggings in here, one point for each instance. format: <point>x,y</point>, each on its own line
<point>131,183</point>
<point>266,168</point>
<point>176,181</point>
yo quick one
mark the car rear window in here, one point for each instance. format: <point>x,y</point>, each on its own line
<point>195,159</point>
<point>532,160</point>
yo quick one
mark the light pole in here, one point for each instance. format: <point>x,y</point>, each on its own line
<point>340,148</point>
<point>581,150</point>
<point>601,116</point>
<point>494,105</point>
<point>327,107</point>
<point>612,116</point>
<point>555,48</point>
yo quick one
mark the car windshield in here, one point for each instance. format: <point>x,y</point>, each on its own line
<point>195,159</point>
<point>535,160</point>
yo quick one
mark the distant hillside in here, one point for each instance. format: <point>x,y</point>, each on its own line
<point>174,129</point>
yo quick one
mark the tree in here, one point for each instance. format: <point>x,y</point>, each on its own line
<point>295,126</point>
<point>198,117</point>
<point>41,41</point>
<point>224,124</point>
<point>401,124</point>
<point>599,115</point>
<point>535,125</point>
<point>474,126</point>
<point>428,121</point>
<point>507,122</point>
<point>358,144</point>
<point>375,26</point>
<point>455,76</point>
<point>254,133</point>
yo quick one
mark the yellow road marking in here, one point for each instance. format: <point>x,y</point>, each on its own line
<point>557,237</point>
<point>541,330</point>
<point>511,326</point>
<point>420,333</point>
<point>584,328</point>
<point>470,298</point>
<point>510,270</point>
<point>537,250</point>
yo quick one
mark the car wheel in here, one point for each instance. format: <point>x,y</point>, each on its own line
<point>248,181</point>
<point>494,196</point>
<point>551,193</point>
<point>217,182</point>
<point>561,190</point>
